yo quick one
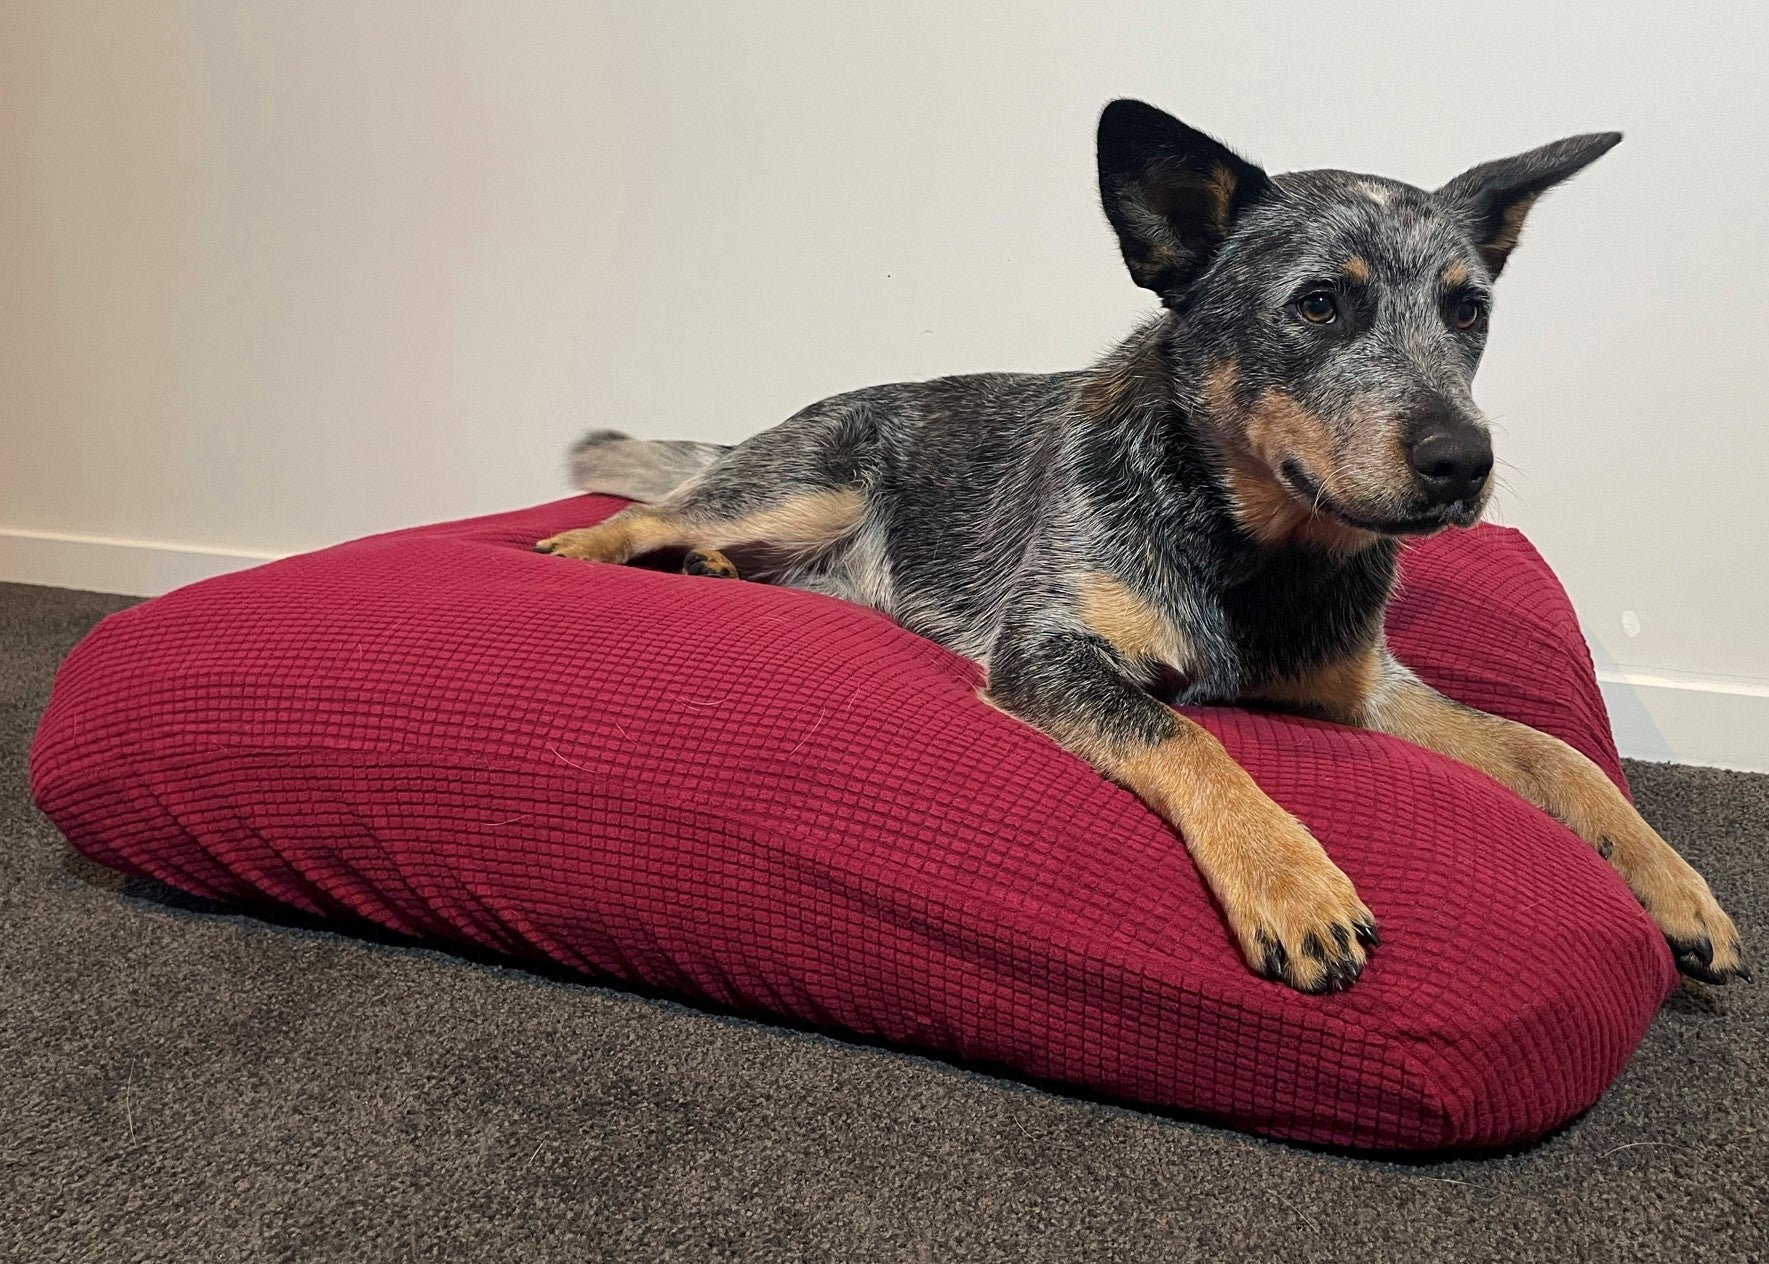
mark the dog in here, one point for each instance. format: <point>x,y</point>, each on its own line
<point>1209,514</point>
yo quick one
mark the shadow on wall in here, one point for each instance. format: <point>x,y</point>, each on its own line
<point>1676,717</point>
<point>1636,732</point>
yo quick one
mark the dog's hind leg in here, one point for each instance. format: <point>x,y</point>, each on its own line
<point>799,523</point>
<point>794,489</point>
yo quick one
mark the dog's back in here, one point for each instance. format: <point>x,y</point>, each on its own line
<point>949,475</point>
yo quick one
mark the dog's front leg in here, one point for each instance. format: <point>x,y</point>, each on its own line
<point>1377,692</point>
<point>1295,916</point>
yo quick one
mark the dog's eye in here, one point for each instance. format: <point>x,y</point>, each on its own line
<point>1318,308</point>
<point>1468,313</point>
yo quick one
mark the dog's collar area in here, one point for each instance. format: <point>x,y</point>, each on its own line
<point>1306,489</point>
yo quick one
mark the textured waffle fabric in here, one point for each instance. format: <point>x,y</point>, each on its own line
<point>779,803</point>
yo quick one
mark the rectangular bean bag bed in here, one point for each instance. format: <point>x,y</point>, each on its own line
<point>781,804</point>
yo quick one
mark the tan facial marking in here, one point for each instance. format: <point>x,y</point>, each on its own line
<point>1278,428</point>
<point>1357,269</point>
<point>1219,388</point>
<point>1127,623</point>
<point>1454,275</point>
<point>1273,429</point>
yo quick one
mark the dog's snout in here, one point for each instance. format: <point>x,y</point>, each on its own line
<point>1452,464</point>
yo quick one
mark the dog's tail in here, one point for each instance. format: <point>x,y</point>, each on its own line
<point>615,464</point>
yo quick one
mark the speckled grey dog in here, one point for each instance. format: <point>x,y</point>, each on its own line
<point>1209,514</point>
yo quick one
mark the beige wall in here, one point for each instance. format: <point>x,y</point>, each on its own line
<point>276,274</point>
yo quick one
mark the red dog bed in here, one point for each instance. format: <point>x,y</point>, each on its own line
<point>780,803</point>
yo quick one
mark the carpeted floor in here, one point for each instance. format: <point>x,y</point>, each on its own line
<point>185,1085</point>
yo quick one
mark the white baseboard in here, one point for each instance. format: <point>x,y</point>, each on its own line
<point>98,563</point>
<point>1671,717</point>
<point>1659,716</point>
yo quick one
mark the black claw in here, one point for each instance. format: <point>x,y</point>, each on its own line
<point>1338,969</point>
<point>1744,972</point>
<point>1695,958</point>
<point>1366,934</point>
<point>1341,975</point>
<point>1274,960</point>
<point>1699,949</point>
<point>1604,847</point>
<point>1695,970</point>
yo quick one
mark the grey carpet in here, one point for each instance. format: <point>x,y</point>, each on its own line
<point>187,1085</point>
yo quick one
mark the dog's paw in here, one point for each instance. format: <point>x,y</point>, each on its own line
<point>1301,922</point>
<point>1703,939</point>
<point>589,544</point>
<point>709,562</point>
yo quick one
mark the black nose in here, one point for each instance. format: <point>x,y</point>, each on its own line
<point>1452,464</point>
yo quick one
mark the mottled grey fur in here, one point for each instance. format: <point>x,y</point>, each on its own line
<point>988,501</point>
<point>613,464</point>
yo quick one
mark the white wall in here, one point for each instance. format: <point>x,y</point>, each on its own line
<point>274,274</point>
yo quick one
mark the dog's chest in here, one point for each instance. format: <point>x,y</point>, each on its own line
<point>1279,616</point>
<point>1294,611</point>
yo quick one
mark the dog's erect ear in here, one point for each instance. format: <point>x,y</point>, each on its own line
<point>1171,193</point>
<point>1493,198</point>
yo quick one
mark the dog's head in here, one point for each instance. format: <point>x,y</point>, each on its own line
<point>1329,324</point>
